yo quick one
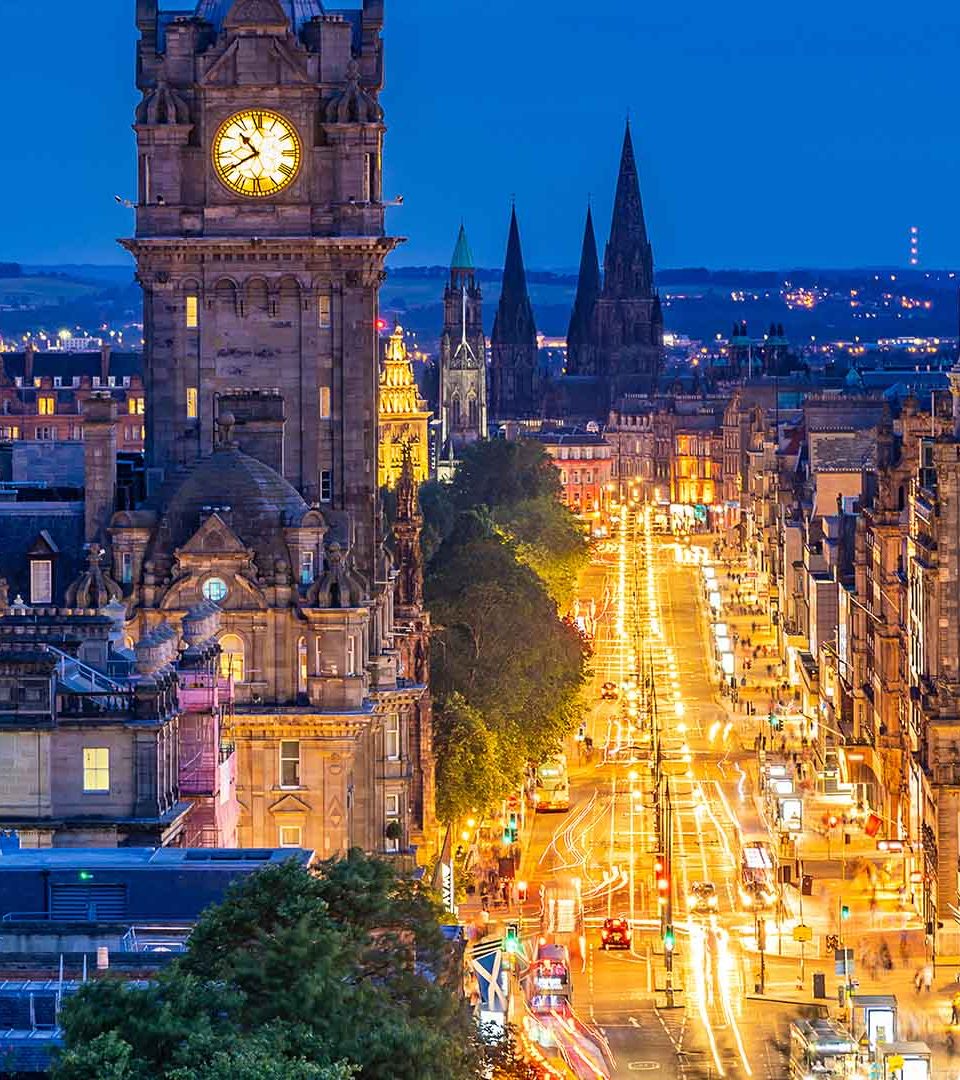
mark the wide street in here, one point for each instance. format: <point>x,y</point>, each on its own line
<point>723,1010</point>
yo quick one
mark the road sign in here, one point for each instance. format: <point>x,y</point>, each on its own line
<point>802,933</point>
<point>895,1061</point>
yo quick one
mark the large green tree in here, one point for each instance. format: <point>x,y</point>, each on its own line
<point>296,975</point>
<point>501,644</point>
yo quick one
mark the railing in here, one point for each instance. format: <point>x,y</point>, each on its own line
<point>96,703</point>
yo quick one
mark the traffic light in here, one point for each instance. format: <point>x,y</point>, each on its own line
<point>669,939</point>
<point>510,829</point>
<point>511,939</point>
<point>844,911</point>
<point>663,879</point>
<point>774,721</point>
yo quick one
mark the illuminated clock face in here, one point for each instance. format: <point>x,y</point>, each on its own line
<point>257,153</point>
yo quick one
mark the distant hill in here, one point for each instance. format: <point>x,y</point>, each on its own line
<point>824,304</point>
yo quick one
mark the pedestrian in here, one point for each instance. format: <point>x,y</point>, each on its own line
<point>904,947</point>
<point>928,977</point>
<point>918,980</point>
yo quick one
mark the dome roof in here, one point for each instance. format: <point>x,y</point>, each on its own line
<point>297,11</point>
<point>252,498</point>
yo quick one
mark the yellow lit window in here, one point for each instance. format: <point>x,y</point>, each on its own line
<point>324,312</point>
<point>135,406</point>
<point>96,769</point>
<point>191,403</point>
<point>193,313</point>
<point>324,402</point>
<point>46,405</point>
<point>232,657</point>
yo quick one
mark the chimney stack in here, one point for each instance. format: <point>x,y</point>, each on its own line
<point>104,364</point>
<point>100,464</point>
<point>28,354</point>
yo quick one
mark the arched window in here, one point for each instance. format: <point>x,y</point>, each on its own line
<point>302,666</point>
<point>472,411</point>
<point>455,411</point>
<point>232,657</point>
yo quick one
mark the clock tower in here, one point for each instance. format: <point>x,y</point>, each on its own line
<point>260,242</point>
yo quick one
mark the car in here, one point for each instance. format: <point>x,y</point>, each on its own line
<point>703,897</point>
<point>608,692</point>
<point>615,933</point>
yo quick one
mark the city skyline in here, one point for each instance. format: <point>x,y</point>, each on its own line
<point>836,110</point>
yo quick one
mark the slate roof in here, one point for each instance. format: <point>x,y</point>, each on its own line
<point>20,525</point>
<point>261,501</point>
<point>843,453</point>
<point>65,365</point>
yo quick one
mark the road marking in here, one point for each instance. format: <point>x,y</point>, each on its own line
<point>634,1022</point>
<point>643,1066</point>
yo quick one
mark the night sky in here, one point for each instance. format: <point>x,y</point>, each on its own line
<point>769,135</point>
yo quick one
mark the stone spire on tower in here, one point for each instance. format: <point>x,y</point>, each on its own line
<point>514,375</point>
<point>628,262</point>
<point>580,355</point>
<point>463,357</point>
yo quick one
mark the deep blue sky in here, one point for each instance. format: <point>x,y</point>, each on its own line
<point>768,134</point>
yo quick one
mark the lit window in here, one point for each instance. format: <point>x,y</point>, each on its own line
<point>46,405</point>
<point>135,406</point>
<point>232,657</point>
<point>323,313</point>
<point>391,737</point>
<point>351,655</point>
<point>302,666</point>
<point>291,836</point>
<point>126,568</point>
<point>289,763</point>
<point>193,313</point>
<point>96,769</point>
<point>324,402</point>
<point>326,485</point>
<point>306,568</point>
<point>41,581</point>
<point>191,403</point>
<point>215,589</point>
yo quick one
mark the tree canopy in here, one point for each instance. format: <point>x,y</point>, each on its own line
<point>506,670</point>
<point>295,976</point>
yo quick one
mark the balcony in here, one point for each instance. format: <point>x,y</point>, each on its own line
<point>96,705</point>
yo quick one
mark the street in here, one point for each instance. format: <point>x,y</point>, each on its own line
<point>720,1001</point>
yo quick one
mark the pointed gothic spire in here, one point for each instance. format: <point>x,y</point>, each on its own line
<point>628,263</point>
<point>462,255</point>
<point>588,286</point>
<point>514,322</point>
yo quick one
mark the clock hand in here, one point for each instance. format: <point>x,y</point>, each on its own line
<point>243,161</point>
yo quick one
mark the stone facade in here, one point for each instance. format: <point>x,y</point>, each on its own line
<point>42,395</point>
<point>262,373</point>
<point>278,292</point>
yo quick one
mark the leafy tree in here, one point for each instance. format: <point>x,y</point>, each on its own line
<point>502,646</point>
<point>469,774</point>
<point>295,976</point>
<point>498,472</point>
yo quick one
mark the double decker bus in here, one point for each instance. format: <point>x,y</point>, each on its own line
<point>547,983</point>
<point>552,791</point>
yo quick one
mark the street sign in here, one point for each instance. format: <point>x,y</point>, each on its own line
<point>802,933</point>
<point>843,962</point>
<point>895,1061</point>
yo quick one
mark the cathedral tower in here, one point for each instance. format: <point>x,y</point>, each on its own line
<point>625,340</point>
<point>463,357</point>
<point>260,238</point>
<point>514,370</point>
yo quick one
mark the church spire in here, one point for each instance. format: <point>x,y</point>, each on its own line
<point>588,291</point>
<point>514,322</point>
<point>628,263</point>
<point>462,256</point>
